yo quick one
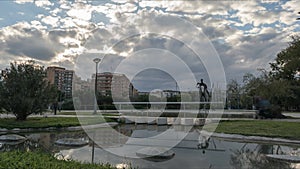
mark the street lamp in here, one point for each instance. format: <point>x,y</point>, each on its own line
<point>96,60</point>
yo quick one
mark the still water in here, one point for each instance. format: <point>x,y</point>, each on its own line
<point>217,152</point>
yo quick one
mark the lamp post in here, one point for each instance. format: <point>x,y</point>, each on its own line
<point>96,60</point>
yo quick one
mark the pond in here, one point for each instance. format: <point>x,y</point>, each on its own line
<point>216,153</point>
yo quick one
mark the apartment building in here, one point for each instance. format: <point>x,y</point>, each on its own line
<point>62,79</point>
<point>115,84</point>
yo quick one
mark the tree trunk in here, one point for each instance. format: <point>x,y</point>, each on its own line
<point>21,117</point>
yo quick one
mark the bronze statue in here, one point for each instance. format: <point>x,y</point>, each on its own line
<point>203,92</point>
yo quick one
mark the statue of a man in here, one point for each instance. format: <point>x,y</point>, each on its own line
<point>203,90</point>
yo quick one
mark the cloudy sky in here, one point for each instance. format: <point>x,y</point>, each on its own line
<point>207,37</point>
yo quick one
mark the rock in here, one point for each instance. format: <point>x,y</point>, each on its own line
<point>287,158</point>
<point>3,130</point>
<point>12,137</point>
<point>71,142</point>
<point>16,129</point>
<point>161,121</point>
<point>155,153</point>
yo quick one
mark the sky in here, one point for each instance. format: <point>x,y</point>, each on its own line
<point>157,44</point>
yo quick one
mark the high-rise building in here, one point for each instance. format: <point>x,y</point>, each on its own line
<point>62,79</point>
<point>118,85</point>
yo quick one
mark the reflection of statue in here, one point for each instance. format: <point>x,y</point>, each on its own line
<point>203,142</point>
<point>203,92</point>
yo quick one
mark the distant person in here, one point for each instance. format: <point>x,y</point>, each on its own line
<point>54,106</point>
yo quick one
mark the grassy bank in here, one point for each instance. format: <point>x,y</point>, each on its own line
<point>266,128</point>
<point>38,160</point>
<point>41,122</point>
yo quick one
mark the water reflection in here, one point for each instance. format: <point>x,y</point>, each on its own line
<point>254,157</point>
<point>44,141</point>
<point>192,152</point>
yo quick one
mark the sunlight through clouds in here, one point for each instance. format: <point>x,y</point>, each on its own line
<point>244,33</point>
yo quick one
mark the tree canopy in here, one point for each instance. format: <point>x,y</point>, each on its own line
<point>24,89</point>
<point>281,85</point>
<point>287,63</point>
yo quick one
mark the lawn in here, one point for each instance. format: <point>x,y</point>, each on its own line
<point>39,160</point>
<point>42,122</point>
<point>266,128</point>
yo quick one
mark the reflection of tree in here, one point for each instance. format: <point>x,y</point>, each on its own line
<point>255,158</point>
<point>19,145</point>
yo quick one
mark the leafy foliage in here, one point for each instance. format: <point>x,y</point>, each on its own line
<point>234,93</point>
<point>287,63</point>
<point>281,85</point>
<point>39,160</point>
<point>25,90</point>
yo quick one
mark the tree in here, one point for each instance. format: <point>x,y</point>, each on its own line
<point>286,68</point>
<point>24,90</point>
<point>287,62</point>
<point>277,91</point>
<point>234,94</point>
<point>281,85</point>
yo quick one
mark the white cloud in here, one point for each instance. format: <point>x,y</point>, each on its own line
<point>80,11</point>
<point>43,3</point>
<point>291,6</point>
<point>50,20</point>
<point>38,25</point>
<point>21,13</point>
<point>23,1</point>
<point>55,11</point>
<point>15,30</point>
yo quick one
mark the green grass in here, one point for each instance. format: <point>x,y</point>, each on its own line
<point>266,128</point>
<point>42,122</point>
<point>74,113</point>
<point>39,160</point>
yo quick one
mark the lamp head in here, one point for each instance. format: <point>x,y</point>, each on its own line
<point>97,60</point>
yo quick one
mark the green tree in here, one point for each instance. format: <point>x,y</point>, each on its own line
<point>287,62</point>
<point>24,90</point>
<point>234,94</point>
<point>281,85</point>
<point>286,69</point>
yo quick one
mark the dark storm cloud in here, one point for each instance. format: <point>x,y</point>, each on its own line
<point>151,79</point>
<point>54,35</point>
<point>85,66</point>
<point>33,47</point>
<point>251,53</point>
<point>110,62</point>
<point>32,43</point>
<point>100,38</point>
<point>175,47</point>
